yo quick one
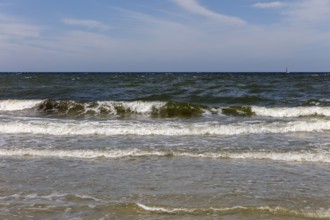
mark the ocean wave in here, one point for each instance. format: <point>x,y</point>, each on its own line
<point>106,108</point>
<point>162,128</point>
<point>276,210</point>
<point>302,156</point>
<point>291,112</point>
<point>100,107</point>
<point>16,105</point>
<point>157,109</point>
<point>275,112</point>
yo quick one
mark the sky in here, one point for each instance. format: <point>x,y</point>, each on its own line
<point>164,35</point>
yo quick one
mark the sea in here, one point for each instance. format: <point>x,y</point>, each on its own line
<point>165,146</point>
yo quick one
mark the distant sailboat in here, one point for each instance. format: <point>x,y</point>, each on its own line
<point>287,70</point>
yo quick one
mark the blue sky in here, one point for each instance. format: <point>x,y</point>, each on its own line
<point>164,35</point>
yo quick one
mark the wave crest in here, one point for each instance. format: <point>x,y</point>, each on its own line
<point>276,210</point>
<point>157,109</point>
<point>118,127</point>
<point>303,156</point>
<point>17,105</point>
<point>123,108</point>
<point>293,112</point>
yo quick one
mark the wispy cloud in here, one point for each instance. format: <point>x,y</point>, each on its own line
<point>276,4</point>
<point>14,27</point>
<point>194,7</point>
<point>170,42</point>
<point>92,24</point>
<point>19,30</point>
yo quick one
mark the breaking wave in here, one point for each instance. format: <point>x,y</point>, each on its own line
<point>17,105</point>
<point>123,108</point>
<point>281,211</point>
<point>164,128</point>
<point>106,108</point>
<point>291,112</point>
<point>302,156</point>
<point>156,109</point>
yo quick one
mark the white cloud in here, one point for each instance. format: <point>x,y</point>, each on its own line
<point>194,7</point>
<point>269,4</point>
<point>309,12</point>
<point>87,24</point>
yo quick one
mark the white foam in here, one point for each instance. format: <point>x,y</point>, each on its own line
<point>160,209</point>
<point>321,157</point>
<point>141,107</point>
<point>136,107</point>
<point>117,127</point>
<point>321,214</point>
<point>165,210</point>
<point>16,105</point>
<point>291,112</point>
<point>79,154</point>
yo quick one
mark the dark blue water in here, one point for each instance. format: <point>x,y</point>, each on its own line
<point>215,89</point>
